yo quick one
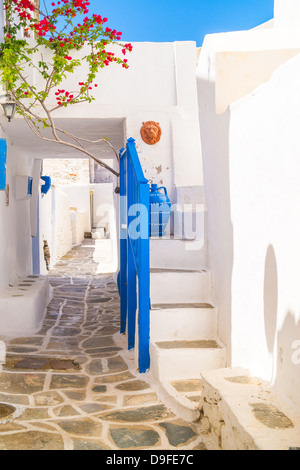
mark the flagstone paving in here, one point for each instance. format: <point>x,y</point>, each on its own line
<point>70,387</point>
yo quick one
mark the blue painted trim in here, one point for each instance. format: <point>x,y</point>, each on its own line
<point>135,253</point>
<point>123,243</point>
<point>144,288</point>
<point>3,157</point>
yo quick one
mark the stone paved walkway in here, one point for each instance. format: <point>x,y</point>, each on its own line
<point>70,387</point>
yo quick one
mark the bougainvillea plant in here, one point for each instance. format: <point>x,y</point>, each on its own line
<point>52,45</point>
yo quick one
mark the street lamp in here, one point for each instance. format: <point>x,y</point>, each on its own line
<point>8,106</point>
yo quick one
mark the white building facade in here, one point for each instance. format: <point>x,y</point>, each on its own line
<point>159,86</point>
<point>230,143</point>
<point>249,101</point>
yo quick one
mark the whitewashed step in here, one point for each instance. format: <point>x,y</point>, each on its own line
<point>23,307</point>
<point>183,322</point>
<point>185,359</point>
<point>243,412</point>
<point>189,222</point>
<point>182,397</point>
<point>179,286</point>
<point>177,254</point>
<point>98,234</point>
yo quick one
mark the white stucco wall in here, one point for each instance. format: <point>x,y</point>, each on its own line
<point>67,171</point>
<point>237,62</point>
<point>287,14</point>
<point>79,198</point>
<point>1,21</point>
<point>62,224</point>
<point>46,228</point>
<point>64,217</point>
<point>265,204</point>
<point>79,205</point>
<point>103,204</point>
<point>106,214</point>
<point>238,73</point>
<point>15,230</point>
<point>160,86</point>
<point>251,168</point>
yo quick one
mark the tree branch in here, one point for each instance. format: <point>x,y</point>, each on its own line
<point>31,98</point>
<point>68,144</point>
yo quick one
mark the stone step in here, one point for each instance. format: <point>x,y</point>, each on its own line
<point>183,322</point>
<point>177,254</point>
<point>190,221</point>
<point>22,307</point>
<point>183,397</point>
<point>241,412</point>
<point>185,359</point>
<point>179,286</point>
<point>98,234</point>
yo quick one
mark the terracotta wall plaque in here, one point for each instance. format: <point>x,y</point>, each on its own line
<point>151,132</point>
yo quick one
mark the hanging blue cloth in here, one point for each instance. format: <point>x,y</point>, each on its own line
<point>45,188</point>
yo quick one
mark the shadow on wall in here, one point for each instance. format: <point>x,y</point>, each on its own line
<point>287,380</point>
<point>214,130</point>
<point>271,302</point>
<point>284,345</point>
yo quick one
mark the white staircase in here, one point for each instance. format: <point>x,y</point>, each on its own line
<point>183,336</point>
<point>169,286</point>
<point>23,306</point>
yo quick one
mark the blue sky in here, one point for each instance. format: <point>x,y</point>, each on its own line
<point>181,20</point>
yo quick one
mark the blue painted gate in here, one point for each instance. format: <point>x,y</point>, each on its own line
<point>134,282</point>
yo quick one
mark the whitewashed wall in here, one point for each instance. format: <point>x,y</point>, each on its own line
<point>46,228</point>
<point>287,14</point>
<point>265,193</point>
<point>64,217</point>
<point>103,204</point>
<point>160,86</point>
<point>67,171</point>
<point>251,172</point>
<point>62,223</point>
<point>1,21</point>
<point>79,206</point>
<point>15,230</point>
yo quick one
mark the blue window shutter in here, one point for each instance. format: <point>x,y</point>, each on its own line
<point>3,152</point>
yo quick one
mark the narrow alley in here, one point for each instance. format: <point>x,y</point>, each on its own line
<point>71,385</point>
